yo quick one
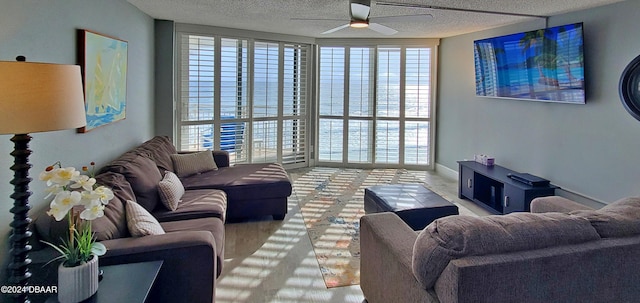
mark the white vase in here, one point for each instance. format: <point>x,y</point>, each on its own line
<point>79,282</point>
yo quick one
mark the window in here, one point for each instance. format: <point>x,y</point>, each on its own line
<point>361,83</point>
<point>196,93</point>
<point>375,105</point>
<point>244,96</point>
<point>251,96</point>
<point>331,104</point>
<point>417,104</point>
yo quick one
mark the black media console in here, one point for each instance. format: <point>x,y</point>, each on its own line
<point>491,188</point>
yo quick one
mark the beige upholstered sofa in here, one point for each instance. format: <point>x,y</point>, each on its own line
<point>563,252</point>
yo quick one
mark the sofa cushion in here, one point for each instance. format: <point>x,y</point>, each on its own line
<point>143,175</point>
<point>159,149</point>
<point>140,222</point>
<point>113,224</point>
<point>193,163</point>
<point>199,203</point>
<point>455,237</point>
<point>618,219</point>
<point>48,229</point>
<point>213,225</point>
<point>171,190</point>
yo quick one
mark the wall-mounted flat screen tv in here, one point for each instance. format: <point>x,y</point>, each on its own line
<point>541,65</point>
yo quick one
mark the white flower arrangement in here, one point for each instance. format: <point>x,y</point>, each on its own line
<point>81,200</point>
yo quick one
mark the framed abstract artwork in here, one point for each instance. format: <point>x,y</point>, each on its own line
<point>104,66</point>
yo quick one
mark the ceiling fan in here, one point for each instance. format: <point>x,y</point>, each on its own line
<point>359,11</point>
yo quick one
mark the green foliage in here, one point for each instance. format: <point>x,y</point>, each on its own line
<point>78,249</point>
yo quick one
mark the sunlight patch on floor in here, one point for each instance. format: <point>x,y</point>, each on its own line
<point>270,261</point>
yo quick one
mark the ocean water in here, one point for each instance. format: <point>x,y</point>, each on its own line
<point>385,141</point>
<point>364,144</point>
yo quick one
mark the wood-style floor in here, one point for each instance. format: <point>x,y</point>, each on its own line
<point>273,261</point>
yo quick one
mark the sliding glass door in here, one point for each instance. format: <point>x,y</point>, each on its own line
<point>375,105</point>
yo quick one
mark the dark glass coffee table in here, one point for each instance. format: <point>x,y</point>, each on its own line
<point>124,283</point>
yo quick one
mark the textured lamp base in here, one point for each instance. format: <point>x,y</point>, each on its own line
<point>20,237</point>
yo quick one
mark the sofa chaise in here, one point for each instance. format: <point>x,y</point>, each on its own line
<point>562,252</point>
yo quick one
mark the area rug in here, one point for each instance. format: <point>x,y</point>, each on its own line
<point>331,202</point>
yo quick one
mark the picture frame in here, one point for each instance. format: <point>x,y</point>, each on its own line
<point>104,67</point>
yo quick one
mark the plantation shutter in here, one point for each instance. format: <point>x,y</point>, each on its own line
<point>265,101</point>
<point>417,104</point>
<point>234,98</point>
<point>196,90</point>
<point>332,84</point>
<point>361,104</point>
<point>243,96</point>
<point>388,78</point>
<point>294,104</point>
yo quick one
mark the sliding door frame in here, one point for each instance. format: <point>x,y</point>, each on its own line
<point>403,44</point>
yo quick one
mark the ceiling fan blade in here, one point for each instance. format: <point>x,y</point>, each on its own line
<point>335,29</point>
<point>403,18</point>
<point>417,5</point>
<point>385,30</point>
<point>360,11</point>
<point>317,19</point>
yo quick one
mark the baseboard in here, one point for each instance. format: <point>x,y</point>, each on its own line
<point>446,172</point>
<point>580,198</point>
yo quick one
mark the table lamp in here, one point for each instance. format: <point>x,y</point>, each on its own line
<point>34,97</point>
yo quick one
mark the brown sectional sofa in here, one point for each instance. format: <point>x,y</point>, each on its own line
<point>192,247</point>
<point>253,190</point>
<point>563,252</point>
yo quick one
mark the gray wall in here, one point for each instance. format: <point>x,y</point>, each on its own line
<point>45,31</point>
<point>590,149</point>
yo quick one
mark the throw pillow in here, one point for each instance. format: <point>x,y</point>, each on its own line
<point>143,176</point>
<point>193,163</point>
<point>171,190</point>
<point>159,149</point>
<point>113,224</point>
<point>140,221</point>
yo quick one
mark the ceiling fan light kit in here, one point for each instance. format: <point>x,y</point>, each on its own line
<point>359,11</point>
<point>359,23</point>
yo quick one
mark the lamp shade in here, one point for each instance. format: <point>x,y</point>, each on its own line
<point>38,97</point>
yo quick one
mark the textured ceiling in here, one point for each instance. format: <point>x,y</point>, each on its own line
<point>275,15</point>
